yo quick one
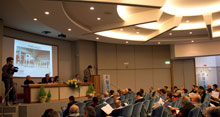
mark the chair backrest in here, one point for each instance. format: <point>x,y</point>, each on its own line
<point>122,97</point>
<point>81,106</point>
<point>145,108</point>
<point>157,112</point>
<point>130,101</point>
<point>157,99</point>
<point>110,100</point>
<point>147,96</point>
<point>127,111</point>
<point>137,109</point>
<point>89,103</point>
<point>98,109</point>
<point>112,105</point>
<point>195,112</point>
<point>101,101</point>
<point>151,105</point>
<point>207,97</point>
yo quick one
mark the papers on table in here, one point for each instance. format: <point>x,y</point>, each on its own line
<point>215,94</point>
<point>107,109</point>
<point>161,102</point>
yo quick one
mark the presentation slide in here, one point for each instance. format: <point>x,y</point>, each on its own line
<point>32,59</point>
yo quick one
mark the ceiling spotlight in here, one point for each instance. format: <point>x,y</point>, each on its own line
<point>190,33</point>
<point>46,32</point>
<point>170,33</point>
<point>69,29</point>
<point>46,13</point>
<point>187,21</point>
<point>126,41</point>
<point>121,29</point>
<point>158,43</point>
<point>192,41</point>
<point>137,32</point>
<point>98,18</point>
<point>97,38</point>
<point>92,8</point>
<point>35,19</point>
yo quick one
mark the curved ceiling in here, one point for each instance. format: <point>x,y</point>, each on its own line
<point>139,21</point>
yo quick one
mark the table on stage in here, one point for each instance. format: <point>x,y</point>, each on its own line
<point>59,91</point>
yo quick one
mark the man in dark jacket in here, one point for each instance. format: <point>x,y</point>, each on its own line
<point>46,79</point>
<point>71,102</point>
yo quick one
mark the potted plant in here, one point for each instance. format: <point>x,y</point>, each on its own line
<point>48,96</point>
<point>42,95</point>
<point>91,90</point>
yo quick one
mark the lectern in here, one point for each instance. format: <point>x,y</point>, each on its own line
<point>95,79</point>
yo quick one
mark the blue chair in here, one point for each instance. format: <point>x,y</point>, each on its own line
<point>122,97</point>
<point>81,106</point>
<point>150,105</point>
<point>195,112</point>
<point>99,112</point>
<point>147,96</point>
<point>137,109</point>
<point>127,111</point>
<point>207,98</point>
<point>145,108</point>
<point>101,101</point>
<point>130,101</point>
<point>157,112</point>
<point>157,99</point>
<point>88,103</point>
<point>110,100</point>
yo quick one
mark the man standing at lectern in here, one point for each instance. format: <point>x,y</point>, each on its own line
<point>7,77</point>
<point>87,73</point>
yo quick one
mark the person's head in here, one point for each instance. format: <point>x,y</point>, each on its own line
<point>56,78</point>
<point>169,96</point>
<point>28,77</point>
<point>89,112</point>
<point>95,100</point>
<point>193,87</point>
<point>10,60</point>
<point>47,76</point>
<point>90,96</point>
<point>111,92</point>
<point>177,94</point>
<point>89,67</point>
<point>122,92</point>
<point>129,90</point>
<point>196,98</point>
<point>165,87</point>
<point>151,88</point>
<point>212,112</point>
<point>196,88</point>
<point>126,91</point>
<point>71,99</point>
<point>175,88</point>
<point>74,109</point>
<point>215,86</point>
<point>162,91</point>
<point>115,97</point>
<point>77,76</point>
<point>209,86</point>
<point>139,95</point>
<point>141,91</point>
<point>201,89</point>
<point>184,100</point>
<point>117,103</point>
<point>185,90</point>
<point>50,113</point>
<point>106,94</point>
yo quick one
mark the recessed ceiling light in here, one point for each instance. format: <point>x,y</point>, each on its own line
<point>192,41</point>
<point>170,33</point>
<point>137,32</point>
<point>121,29</point>
<point>69,29</point>
<point>92,8</point>
<point>126,41</point>
<point>35,19</point>
<point>190,33</point>
<point>158,42</point>
<point>46,12</point>
<point>187,21</point>
<point>97,38</point>
<point>98,18</point>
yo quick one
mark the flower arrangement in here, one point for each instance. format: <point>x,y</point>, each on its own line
<point>73,83</point>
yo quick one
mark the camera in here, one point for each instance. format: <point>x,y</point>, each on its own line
<point>15,69</point>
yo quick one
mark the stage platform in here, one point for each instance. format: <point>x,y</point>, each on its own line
<point>34,109</point>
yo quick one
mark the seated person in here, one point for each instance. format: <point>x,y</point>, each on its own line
<point>212,112</point>
<point>111,93</point>
<point>56,79</point>
<point>209,89</point>
<point>50,113</point>
<point>196,100</point>
<point>106,96</point>
<point>116,112</point>
<point>90,96</point>
<point>89,112</point>
<point>186,106</point>
<point>129,90</point>
<point>202,93</point>
<point>71,102</point>
<point>176,96</point>
<point>46,79</point>
<point>95,102</point>
<point>28,80</point>
<point>74,111</point>
<point>139,97</point>
<point>77,77</point>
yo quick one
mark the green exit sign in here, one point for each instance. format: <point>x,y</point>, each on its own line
<point>167,62</point>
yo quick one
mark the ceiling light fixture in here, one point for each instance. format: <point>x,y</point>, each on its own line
<point>126,41</point>
<point>170,33</point>
<point>69,29</point>
<point>192,41</point>
<point>121,29</point>
<point>46,13</point>
<point>92,8</point>
<point>97,38</point>
<point>98,18</point>
<point>158,43</point>
<point>35,19</point>
<point>137,32</point>
<point>190,33</point>
<point>187,21</point>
